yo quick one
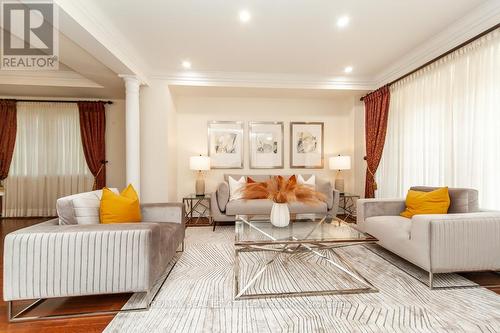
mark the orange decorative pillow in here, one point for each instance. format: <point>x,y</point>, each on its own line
<point>250,180</point>
<point>434,202</point>
<point>120,208</point>
<point>257,195</point>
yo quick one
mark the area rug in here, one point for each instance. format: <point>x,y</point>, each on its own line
<point>198,295</point>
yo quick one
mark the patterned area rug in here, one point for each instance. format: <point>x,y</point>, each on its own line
<point>198,297</point>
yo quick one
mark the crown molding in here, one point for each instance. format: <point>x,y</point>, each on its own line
<point>264,80</point>
<point>475,22</point>
<point>95,23</point>
<point>126,77</point>
<point>47,78</point>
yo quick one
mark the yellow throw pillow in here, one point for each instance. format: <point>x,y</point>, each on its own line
<point>120,208</point>
<point>434,202</point>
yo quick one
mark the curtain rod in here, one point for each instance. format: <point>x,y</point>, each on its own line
<point>470,40</point>
<point>57,101</point>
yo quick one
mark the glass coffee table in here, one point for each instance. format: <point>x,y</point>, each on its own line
<point>302,259</point>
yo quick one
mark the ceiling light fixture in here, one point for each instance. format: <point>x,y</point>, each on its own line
<point>348,69</point>
<point>186,64</point>
<point>343,21</point>
<point>245,16</point>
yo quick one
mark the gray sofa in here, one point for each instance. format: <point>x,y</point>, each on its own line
<point>222,209</point>
<point>60,258</point>
<point>465,239</point>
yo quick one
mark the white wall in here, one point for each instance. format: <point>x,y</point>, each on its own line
<point>158,149</point>
<point>193,113</point>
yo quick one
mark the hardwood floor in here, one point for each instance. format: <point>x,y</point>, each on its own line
<point>99,303</point>
<point>198,222</point>
<point>485,279</point>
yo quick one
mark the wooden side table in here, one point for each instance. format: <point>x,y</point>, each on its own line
<point>347,203</point>
<point>199,205</point>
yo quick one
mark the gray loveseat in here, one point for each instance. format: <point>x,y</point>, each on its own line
<point>223,209</point>
<point>465,239</point>
<point>60,257</point>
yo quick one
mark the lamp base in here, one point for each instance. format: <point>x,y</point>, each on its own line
<point>200,185</point>
<point>339,182</point>
<point>339,185</point>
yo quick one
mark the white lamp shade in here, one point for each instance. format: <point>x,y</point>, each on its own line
<point>340,162</point>
<point>200,163</point>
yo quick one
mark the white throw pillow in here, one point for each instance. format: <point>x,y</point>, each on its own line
<point>87,207</point>
<point>81,208</point>
<point>311,181</point>
<point>236,187</point>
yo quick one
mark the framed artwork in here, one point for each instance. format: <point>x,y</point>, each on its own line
<point>306,145</point>
<point>265,145</point>
<point>225,144</point>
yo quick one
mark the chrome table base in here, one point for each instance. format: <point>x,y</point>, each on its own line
<point>294,249</point>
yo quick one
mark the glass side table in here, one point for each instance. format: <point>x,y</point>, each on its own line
<point>347,203</point>
<point>197,210</point>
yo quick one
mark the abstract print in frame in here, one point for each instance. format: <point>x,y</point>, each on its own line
<point>306,145</point>
<point>266,145</point>
<point>225,144</point>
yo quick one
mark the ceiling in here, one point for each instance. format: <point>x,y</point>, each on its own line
<point>80,74</point>
<point>293,45</point>
<point>298,37</point>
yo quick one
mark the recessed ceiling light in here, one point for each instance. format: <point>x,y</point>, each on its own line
<point>186,64</point>
<point>245,16</point>
<point>348,69</point>
<point>343,21</point>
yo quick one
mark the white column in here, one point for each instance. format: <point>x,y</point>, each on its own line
<point>132,131</point>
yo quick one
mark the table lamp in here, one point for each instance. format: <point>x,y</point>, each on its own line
<point>339,163</point>
<point>199,163</point>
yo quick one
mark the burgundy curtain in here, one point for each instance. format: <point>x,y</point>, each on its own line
<point>8,129</point>
<point>93,130</point>
<point>376,114</point>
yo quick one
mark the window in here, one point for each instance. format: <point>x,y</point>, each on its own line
<point>48,160</point>
<point>443,127</point>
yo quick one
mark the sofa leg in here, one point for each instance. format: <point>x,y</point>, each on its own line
<point>431,280</point>
<point>9,311</point>
<point>182,247</point>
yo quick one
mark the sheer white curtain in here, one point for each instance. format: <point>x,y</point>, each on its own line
<point>444,125</point>
<point>48,160</point>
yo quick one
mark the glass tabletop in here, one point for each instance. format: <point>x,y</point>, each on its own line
<point>303,228</point>
<point>350,195</point>
<point>196,196</point>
